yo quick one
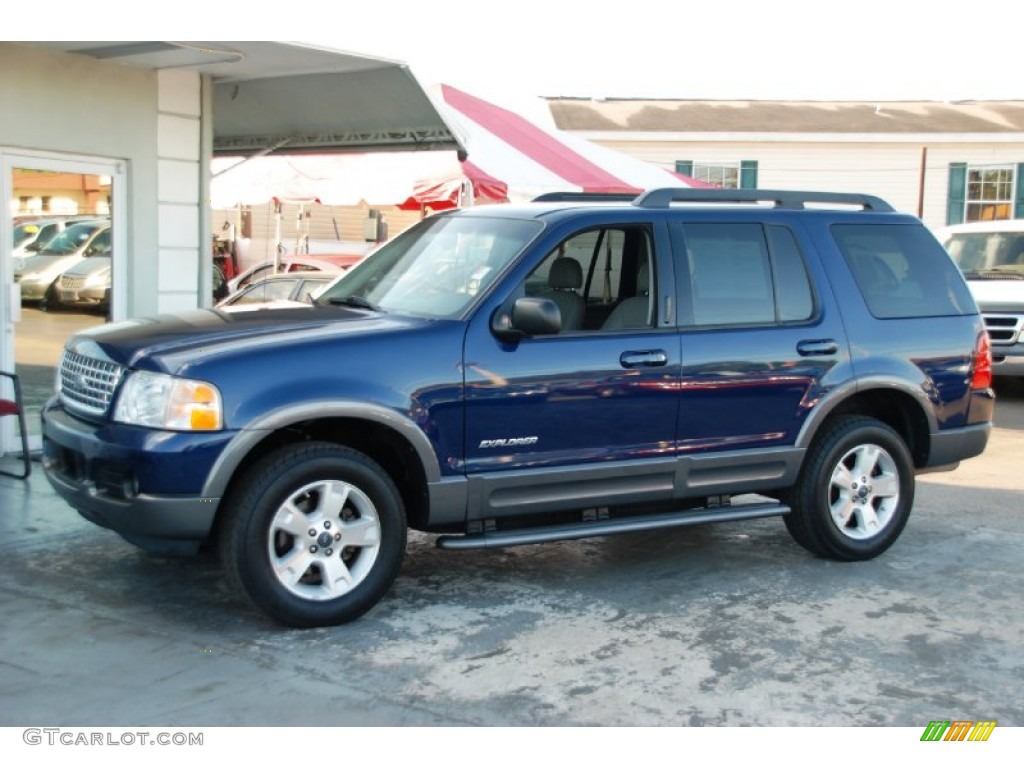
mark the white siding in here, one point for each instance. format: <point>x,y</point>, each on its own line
<point>890,170</point>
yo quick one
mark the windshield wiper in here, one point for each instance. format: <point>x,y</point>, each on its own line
<point>354,301</point>
<point>994,273</point>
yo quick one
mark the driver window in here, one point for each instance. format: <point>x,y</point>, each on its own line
<point>599,279</point>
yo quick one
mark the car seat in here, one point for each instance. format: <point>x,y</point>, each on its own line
<point>634,312</point>
<point>566,278</point>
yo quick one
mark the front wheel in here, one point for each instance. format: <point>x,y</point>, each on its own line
<point>51,298</point>
<point>315,535</point>
<point>855,491</point>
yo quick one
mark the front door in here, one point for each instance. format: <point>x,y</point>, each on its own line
<point>597,403</point>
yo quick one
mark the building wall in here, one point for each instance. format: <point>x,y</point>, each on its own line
<point>148,122</point>
<point>76,105</point>
<point>889,169</point>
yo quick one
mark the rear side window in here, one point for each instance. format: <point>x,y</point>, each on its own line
<point>902,271</point>
<point>743,274</point>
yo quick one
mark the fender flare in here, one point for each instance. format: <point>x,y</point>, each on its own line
<point>248,438</point>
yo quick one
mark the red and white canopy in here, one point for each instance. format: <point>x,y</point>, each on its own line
<point>509,158</point>
<point>531,160</point>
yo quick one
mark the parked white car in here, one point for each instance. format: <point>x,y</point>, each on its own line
<point>319,262</point>
<point>38,273</point>
<point>32,236</point>
<point>279,291</point>
<point>991,256</point>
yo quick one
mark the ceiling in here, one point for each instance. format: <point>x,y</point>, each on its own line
<point>283,98</point>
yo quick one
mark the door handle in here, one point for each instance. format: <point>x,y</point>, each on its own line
<point>810,347</point>
<point>650,358</point>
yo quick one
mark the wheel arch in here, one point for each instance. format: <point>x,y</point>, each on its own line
<point>390,439</point>
<point>894,402</point>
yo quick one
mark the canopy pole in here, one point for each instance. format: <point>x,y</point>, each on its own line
<point>278,247</point>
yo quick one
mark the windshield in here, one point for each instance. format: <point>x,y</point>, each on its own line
<point>988,253</point>
<point>70,240</point>
<point>23,232</point>
<point>434,269</point>
<point>100,246</point>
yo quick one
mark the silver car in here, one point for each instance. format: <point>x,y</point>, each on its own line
<point>32,236</point>
<point>86,283</point>
<point>37,273</point>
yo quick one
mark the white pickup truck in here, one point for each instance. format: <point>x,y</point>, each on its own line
<point>991,256</point>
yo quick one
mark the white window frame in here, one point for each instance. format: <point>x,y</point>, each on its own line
<point>714,172</point>
<point>1000,204</point>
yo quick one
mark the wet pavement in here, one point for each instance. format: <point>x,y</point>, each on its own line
<point>731,624</point>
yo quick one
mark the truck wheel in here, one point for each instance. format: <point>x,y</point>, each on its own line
<point>855,490</point>
<point>314,535</point>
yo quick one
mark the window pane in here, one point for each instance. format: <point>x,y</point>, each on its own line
<point>725,175</point>
<point>792,287</point>
<point>730,274</point>
<point>902,271</point>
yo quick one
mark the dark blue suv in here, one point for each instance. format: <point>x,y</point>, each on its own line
<point>507,375</point>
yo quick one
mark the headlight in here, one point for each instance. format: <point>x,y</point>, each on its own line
<point>100,277</point>
<point>166,402</point>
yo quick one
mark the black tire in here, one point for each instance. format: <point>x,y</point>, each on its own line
<point>875,501</point>
<point>267,550</point>
<point>50,301</point>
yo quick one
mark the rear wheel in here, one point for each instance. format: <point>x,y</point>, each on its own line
<point>855,491</point>
<point>316,534</point>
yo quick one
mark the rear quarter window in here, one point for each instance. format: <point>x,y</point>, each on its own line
<point>902,271</point>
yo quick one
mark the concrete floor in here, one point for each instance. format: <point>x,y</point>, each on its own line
<point>717,625</point>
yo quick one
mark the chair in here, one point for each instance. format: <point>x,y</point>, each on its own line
<point>634,312</point>
<point>565,279</point>
<point>15,407</point>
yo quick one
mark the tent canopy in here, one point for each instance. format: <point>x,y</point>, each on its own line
<point>510,158</point>
<point>293,97</point>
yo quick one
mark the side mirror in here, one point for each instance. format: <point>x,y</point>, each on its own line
<point>530,316</point>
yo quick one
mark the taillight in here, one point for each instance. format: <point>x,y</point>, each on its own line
<point>982,376</point>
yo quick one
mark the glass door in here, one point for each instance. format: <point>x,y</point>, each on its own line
<point>61,263</point>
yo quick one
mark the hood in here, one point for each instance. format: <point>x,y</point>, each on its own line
<point>998,295</point>
<point>88,266</point>
<point>42,264</point>
<point>168,342</point>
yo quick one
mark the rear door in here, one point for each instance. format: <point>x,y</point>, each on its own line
<point>758,339</point>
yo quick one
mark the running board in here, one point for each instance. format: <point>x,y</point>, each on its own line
<point>583,530</point>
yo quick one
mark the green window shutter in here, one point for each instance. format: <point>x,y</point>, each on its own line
<point>1018,206</point>
<point>748,174</point>
<point>684,167</point>
<point>956,197</point>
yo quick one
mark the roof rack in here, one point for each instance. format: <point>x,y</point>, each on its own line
<point>577,197</point>
<point>661,198</point>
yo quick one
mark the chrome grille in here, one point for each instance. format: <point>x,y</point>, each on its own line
<point>1003,329</point>
<point>66,283</point>
<point>87,384</point>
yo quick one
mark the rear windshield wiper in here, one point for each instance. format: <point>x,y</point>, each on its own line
<point>354,301</point>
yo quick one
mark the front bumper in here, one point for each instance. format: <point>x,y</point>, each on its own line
<point>143,484</point>
<point>1008,360</point>
<point>32,290</point>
